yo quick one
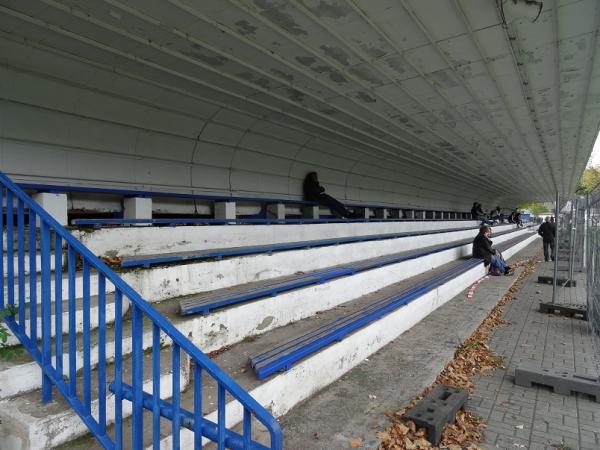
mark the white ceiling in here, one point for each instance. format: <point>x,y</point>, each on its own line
<point>443,85</point>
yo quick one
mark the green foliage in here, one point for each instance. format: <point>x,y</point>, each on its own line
<point>535,208</point>
<point>6,352</point>
<point>589,180</point>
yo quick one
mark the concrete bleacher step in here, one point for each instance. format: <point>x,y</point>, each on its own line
<point>218,253</point>
<point>281,391</point>
<point>35,426</point>
<point>208,301</point>
<point>26,262</point>
<point>130,241</point>
<point>159,283</point>
<point>65,323</point>
<point>65,286</point>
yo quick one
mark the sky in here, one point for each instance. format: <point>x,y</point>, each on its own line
<point>595,157</point>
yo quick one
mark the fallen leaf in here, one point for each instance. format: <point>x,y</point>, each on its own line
<point>355,443</point>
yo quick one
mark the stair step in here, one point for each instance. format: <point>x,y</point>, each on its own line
<point>41,427</point>
<point>110,316</point>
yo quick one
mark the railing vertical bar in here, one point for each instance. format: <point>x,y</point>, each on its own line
<point>87,365</point>
<point>102,353</point>
<point>58,299</point>
<point>10,247</point>
<point>156,387</point>
<point>32,278</point>
<point>247,427</point>
<point>72,268</point>
<point>2,248</point>
<point>137,379</point>
<point>46,311</point>
<point>197,406</point>
<point>176,394</point>
<point>221,417</point>
<point>118,370</point>
<point>21,262</point>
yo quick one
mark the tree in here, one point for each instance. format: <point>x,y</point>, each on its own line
<point>589,180</point>
<point>536,208</point>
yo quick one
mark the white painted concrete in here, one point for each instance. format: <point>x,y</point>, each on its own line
<point>225,210</point>
<point>233,324</point>
<point>137,208</point>
<point>276,210</point>
<point>54,204</point>
<point>159,283</point>
<point>125,241</point>
<point>21,429</point>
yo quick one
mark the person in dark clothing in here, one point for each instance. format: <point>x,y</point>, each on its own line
<point>547,231</point>
<point>478,214</point>
<point>482,249</point>
<point>314,192</point>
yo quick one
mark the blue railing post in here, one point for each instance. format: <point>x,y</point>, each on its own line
<point>10,246</point>
<point>137,379</point>
<point>21,262</point>
<point>46,311</point>
<point>2,247</point>
<point>118,370</point>
<point>58,298</point>
<point>32,278</point>
<point>102,353</point>
<point>87,364</point>
<point>72,267</point>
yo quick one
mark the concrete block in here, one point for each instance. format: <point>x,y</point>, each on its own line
<point>310,212</point>
<point>561,281</point>
<point>363,212</point>
<point>225,210</point>
<point>54,204</point>
<point>575,311</point>
<point>437,409</point>
<point>562,381</point>
<point>276,210</point>
<point>381,213</point>
<point>137,208</point>
<point>394,213</point>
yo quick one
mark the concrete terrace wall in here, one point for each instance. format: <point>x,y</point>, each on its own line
<point>69,121</point>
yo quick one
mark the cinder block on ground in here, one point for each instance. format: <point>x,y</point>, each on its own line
<point>436,410</point>
<point>563,382</point>
<point>575,311</point>
<point>561,281</point>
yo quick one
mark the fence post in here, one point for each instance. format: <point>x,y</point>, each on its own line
<point>556,246</point>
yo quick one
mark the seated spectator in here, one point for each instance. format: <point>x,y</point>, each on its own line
<point>478,214</point>
<point>482,249</point>
<point>515,217</point>
<point>314,192</point>
<point>497,215</point>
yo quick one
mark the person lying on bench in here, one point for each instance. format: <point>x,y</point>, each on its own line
<point>482,249</point>
<point>314,192</point>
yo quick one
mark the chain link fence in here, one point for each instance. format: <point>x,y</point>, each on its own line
<point>592,266</point>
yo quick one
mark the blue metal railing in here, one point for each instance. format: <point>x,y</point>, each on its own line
<point>86,389</point>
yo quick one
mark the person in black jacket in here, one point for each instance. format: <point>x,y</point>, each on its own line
<point>547,231</point>
<point>482,249</point>
<point>314,192</point>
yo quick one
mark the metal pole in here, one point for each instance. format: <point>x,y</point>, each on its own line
<point>556,247</point>
<point>585,229</point>
<point>574,241</point>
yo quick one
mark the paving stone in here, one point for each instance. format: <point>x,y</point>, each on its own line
<point>550,341</point>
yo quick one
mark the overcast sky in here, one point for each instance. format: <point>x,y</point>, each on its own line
<point>595,157</point>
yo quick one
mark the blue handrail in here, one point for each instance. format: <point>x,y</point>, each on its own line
<point>78,388</point>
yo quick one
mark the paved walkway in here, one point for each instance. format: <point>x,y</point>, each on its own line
<point>536,418</point>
